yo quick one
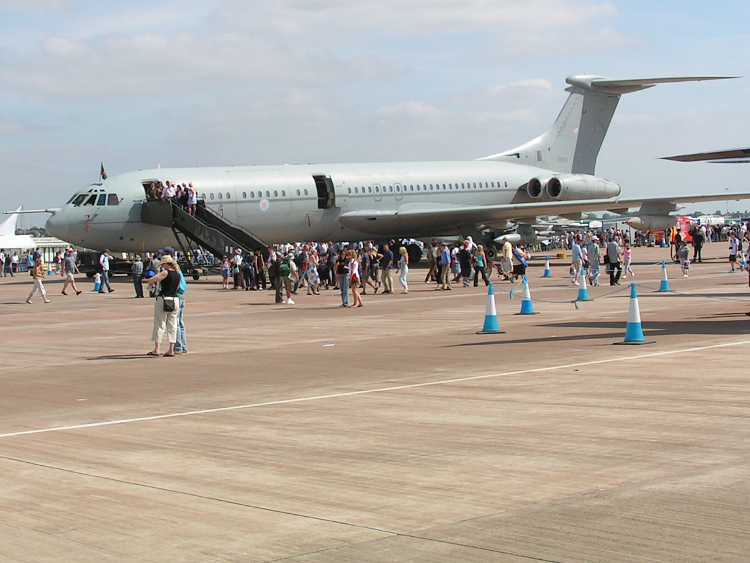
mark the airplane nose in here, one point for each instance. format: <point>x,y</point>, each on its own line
<point>57,227</point>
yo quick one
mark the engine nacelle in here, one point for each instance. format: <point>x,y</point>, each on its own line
<point>567,187</point>
<point>513,238</point>
<point>646,223</point>
<point>535,188</point>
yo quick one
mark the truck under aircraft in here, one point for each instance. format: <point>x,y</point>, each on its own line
<point>251,207</point>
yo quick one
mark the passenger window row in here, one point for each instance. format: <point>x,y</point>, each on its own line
<point>374,189</point>
<point>403,188</point>
<point>260,194</point>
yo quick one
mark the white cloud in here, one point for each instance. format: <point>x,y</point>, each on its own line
<point>442,15</point>
<point>527,84</point>
<point>409,109</point>
<point>31,5</point>
<point>129,50</point>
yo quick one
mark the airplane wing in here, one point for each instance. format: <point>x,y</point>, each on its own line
<point>729,156</point>
<point>419,218</point>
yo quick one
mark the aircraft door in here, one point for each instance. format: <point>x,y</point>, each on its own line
<point>326,192</point>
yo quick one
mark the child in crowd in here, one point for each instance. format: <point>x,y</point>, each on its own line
<point>734,248</point>
<point>684,255</point>
<point>226,271</point>
<point>97,282</point>
<point>627,259</point>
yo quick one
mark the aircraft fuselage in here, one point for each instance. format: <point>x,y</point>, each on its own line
<point>281,203</point>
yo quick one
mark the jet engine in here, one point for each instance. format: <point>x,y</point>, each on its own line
<point>645,223</point>
<point>567,187</point>
<point>535,188</point>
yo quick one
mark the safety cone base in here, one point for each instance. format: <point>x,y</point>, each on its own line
<point>491,325</point>
<point>664,288</point>
<point>527,308</point>
<point>623,343</point>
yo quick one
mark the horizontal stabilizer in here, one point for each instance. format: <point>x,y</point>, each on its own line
<point>730,156</point>
<point>625,86</point>
<point>51,210</point>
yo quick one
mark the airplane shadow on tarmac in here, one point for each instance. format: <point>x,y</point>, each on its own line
<point>735,327</point>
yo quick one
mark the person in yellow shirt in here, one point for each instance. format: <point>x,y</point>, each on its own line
<point>37,273</point>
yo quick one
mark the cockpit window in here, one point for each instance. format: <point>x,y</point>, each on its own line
<point>79,199</point>
<point>91,200</point>
<point>112,199</point>
<point>102,200</point>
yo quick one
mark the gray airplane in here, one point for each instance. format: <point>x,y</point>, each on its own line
<point>727,156</point>
<point>658,220</point>
<point>553,174</point>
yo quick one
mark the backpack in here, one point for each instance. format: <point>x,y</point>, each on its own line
<point>285,269</point>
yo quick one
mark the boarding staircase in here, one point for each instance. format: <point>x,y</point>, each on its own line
<point>207,229</point>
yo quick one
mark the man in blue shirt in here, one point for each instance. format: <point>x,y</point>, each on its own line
<point>445,266</point>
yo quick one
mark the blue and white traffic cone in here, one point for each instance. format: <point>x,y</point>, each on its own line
<point>547,269</point>
<point>491,321</point>
<point>634,331</point>
<point>527,305</point>
<point>664,285</point>
<point>583,288</point>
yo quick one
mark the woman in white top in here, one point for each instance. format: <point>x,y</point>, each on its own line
<point>354,278</point>
<point>192,199</point>
<point>403,269</point>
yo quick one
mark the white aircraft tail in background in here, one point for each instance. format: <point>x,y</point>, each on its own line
<point>8,226</point>
<point>9,238</point>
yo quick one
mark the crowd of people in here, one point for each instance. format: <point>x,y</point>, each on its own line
<point>356,268</point>
<point>589,252</point>
<point>10,262</point>
<point>353,269</point>
<point>183,194</point>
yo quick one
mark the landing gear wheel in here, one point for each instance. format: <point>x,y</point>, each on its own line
<point>414,252</point>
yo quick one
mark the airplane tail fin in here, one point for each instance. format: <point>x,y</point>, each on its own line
<point>573,143</point>
<point>8,226</point>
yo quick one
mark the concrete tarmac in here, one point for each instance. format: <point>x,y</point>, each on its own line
<point>393,432</point>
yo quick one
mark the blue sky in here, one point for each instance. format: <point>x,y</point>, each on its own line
<point>187,82</point>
